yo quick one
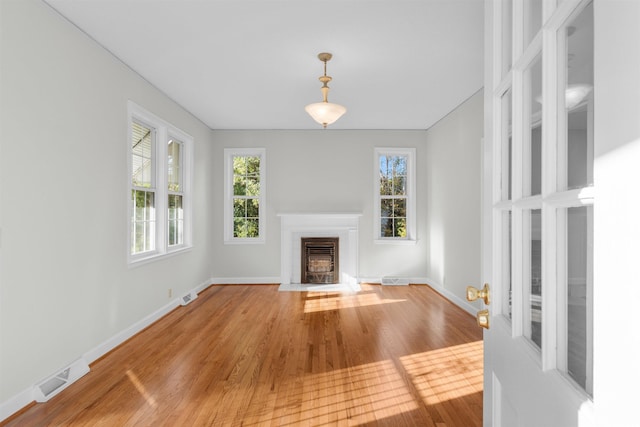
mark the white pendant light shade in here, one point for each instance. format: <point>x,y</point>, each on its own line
<point>325,113</point>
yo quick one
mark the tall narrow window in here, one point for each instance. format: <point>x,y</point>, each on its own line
<point>245,201</point>
<point>160,176</point>
<point>143,220</point>
<point>394,199</point>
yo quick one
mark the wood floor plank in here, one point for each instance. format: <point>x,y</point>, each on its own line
<point>248,355</point>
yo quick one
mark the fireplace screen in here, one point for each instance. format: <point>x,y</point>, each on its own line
<point>320,260</point>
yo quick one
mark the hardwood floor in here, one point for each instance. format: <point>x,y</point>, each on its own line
<point>248,355</point>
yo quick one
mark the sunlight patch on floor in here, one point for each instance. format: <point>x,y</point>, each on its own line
<point>315,301</point>
<point>141,389</point>
<point>376,391</point>
<point>447,373</point>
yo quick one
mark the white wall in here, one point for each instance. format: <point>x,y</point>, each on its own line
<point>65,286</point>
<point>616,372</point>
<point>453,198</point>
<point>318,171</point>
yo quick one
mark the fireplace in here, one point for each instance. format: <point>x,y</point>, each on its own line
<point>295,226</point>
<point>320,260</point>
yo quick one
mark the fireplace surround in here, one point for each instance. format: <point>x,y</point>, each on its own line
<point>295,226</point>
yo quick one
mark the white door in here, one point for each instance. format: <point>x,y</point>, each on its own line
<point>538,210</point>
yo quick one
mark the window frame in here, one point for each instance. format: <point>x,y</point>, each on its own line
<point>411,193</point>
<point>163,132</point>
<point>229,154</point>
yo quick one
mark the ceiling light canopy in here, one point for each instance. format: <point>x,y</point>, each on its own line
<point>325,112</point>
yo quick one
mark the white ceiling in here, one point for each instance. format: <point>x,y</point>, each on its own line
<point>252,64</point>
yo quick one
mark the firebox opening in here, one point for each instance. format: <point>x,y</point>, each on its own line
<point>320,260</point>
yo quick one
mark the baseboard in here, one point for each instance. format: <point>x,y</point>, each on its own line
<point>462,303</point>
<point>16,403</point>
<point>246,280</point>
<point>102,349</point>
<point>378,279</point>
<point>19,401</point>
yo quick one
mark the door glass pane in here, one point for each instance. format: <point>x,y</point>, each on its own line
<point>533,261</point>
<point>579,272</point>
<point>506,265</point>
<point>577,103</point>
<point>507,36</point>
<point>532,150</point>
<point>506,145</point>
<point>532,20</point>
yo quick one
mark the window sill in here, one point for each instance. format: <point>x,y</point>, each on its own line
<point>258,241</point>
<point>397,242</point>
<point>155,256</point>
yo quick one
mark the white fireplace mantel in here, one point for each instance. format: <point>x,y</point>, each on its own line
<point>295,226</point>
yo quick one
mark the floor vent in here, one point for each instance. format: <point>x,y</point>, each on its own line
<point>395,281</point>
<point>58,382</point>
<point>186,299</point>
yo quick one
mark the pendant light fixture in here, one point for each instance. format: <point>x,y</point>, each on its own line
<point>325,112</point>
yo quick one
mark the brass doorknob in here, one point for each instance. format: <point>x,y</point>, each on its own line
<point>483,318</point>
<point>473,293</point>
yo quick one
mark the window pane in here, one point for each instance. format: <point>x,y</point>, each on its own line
<point>253,208</point>
<point>239,208</point>
<point>533,321</point>
<point>393,175</point>
<point>174,166</point>
<point>399,185</point>
<point>533,144</point>
<point>386,207</point>
<point>176,220</point>
<point>253,227</point>
<point>506,144</point>
<point>579,277</point>
<point>399,227</point>
<point>142,221</point>
<point>252,186</point>
<point>386,227</point>
<point>533,19</point>
<point>399,208</point>
<point>253,165</point>
<point>239,227</point>
<point>239,185</point>
<point>246,175</point>
<point>141,155</point>
<point>577,102</point>
<point>507,39</point>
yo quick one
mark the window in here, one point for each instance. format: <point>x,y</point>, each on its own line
<point>245,172</point>
<point>159,169</point>
<point>394,195</point>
